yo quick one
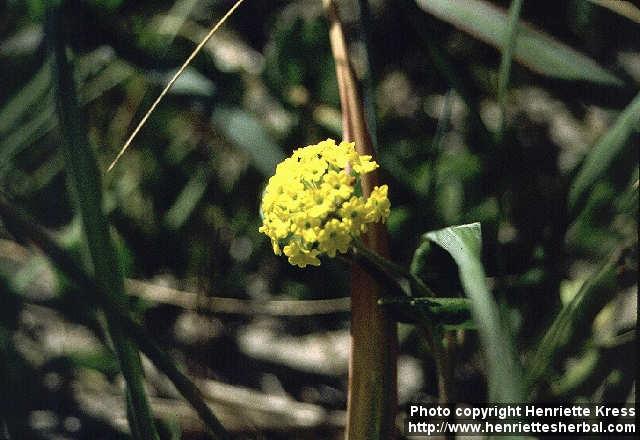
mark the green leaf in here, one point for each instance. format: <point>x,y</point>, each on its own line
<point>604,152</point>
<point>249,134</point>
<point>29,96</point>
<point>100,360</point>
<point>190,82</point>
<point>507,48</point>
<point>457,78</point>
<point>21,126</point>
<point>623,8</point>
<point>85,182</point>
<point>419,259</point>
<point>535,49</point>
<point>187,200</point>
<point>27,134</point>
<point>452,313</point>
<point>574,318</point>
<point>90,292</point>
<point>504,370</point>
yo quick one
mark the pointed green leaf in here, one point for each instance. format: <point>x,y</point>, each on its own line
<point>84,177</point>
<point>507,48</point>
<point>575,318</point>
<point>187,200</point>
<point>90,291</point>
<point>621,7</point>
<point>604,152</point>
<point>504,370</point>
<point>535,49</point>
<point>248,133</point>
<point>27,99</point>
<point>30,114</point>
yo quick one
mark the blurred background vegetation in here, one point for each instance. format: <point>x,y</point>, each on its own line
<point>553,183</point>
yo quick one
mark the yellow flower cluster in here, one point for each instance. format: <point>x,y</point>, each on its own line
<point>310,208</point>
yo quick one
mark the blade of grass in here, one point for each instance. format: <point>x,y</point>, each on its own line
<point>444,122</point>
<point>595,366</point>
<point>85,182</point>
<point>504,73</point>
<point>504,370</point>
<point>603,153</point>
<point>40,122</point>
<point>534,48</point>
<point>27,134</point>
<point>188,199</point>
<point>624,8</point>
<point>457,78</point>
<point>20,104</point>
<point>29,229</point>
<point>594,294</point>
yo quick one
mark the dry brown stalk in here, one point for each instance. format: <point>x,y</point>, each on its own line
<point>372,398</point>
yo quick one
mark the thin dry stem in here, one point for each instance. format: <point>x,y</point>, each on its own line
<point>173,80</point>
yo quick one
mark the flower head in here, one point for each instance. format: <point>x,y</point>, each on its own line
<point>310,208</point>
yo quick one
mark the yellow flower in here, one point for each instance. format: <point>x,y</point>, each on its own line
<point>317,203</point>
<point>306,227</point>
<point>299,256</point>
<point>309,208</point>
<point>378,206</point>
<point>315,169</point>
<point>353,212</point>
<point>365,165</point>
<point>335,236</point>
<point>338,184</point>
